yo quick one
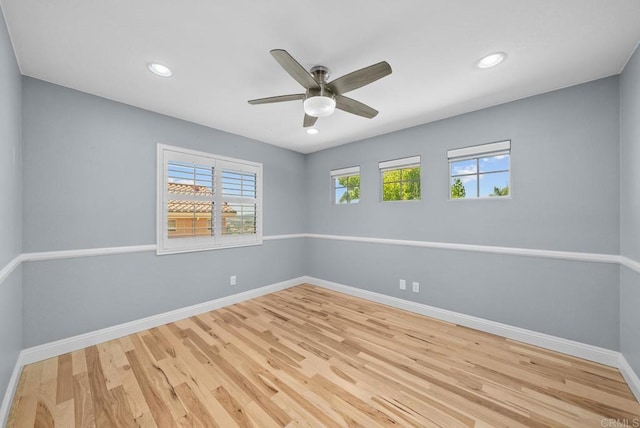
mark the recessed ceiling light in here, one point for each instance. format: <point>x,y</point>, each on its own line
<point>159,69</point>
<point>492,60</point>
<point>312,131</point>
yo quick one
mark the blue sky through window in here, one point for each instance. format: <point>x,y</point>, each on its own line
<point>491,171</point>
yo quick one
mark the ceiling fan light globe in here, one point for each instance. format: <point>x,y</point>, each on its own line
<point>319,106</point>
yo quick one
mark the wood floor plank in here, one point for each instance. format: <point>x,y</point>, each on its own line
<point>65,414</point>
<point>152,397</point>
<point>309,357</point>
<point>46,408</point>
<point>84,416</point>
<point>110,406</point>
<point>135,398</point>
<point>26,404</point>
<point>78,362</point>
<point>65,379</point>
<point>195,407</point>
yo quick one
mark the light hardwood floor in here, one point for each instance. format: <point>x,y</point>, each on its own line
<point>306,356</point>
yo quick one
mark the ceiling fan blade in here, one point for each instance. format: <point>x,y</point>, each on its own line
<point>360,78</point>
<point>294,68</point>
<point>309,121</point>
<point>355,107</point>
<point>278,99</point>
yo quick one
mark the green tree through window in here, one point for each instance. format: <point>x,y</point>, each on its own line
<point>500,191</point>
<point>401,184</point>
<point>352,189</point>
<point>457,189</point>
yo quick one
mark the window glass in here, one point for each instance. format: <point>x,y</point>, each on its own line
<point>345,185</point>
<point>480,171</point>
<point>402,184</point>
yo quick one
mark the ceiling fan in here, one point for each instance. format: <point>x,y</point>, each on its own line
<point>321,98</point>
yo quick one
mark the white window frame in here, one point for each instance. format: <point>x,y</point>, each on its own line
<point>477,152</point>
<point>351,171</point>
<point>402,163</point>
<point>217,240</point>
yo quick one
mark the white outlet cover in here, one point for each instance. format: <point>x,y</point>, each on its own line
<point>403,284</point>
<point>416,287</point>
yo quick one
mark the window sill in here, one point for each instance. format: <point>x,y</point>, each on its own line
<point>166,251</point>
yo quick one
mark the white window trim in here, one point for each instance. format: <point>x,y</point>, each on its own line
<point>479,151</point>
<point>203,243</point>
<point>345,172</point>
<point>339,173</point>
<point>410,162</point>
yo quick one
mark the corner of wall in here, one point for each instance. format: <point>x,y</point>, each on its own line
<point>629,191</point>
<point>11,213</point>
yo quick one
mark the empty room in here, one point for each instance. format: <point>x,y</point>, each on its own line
<point>348,213</point>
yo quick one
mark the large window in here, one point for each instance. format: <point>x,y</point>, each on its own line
<point>400,179</point>
<point>345,185</point>
<point>480,171</point>
<point>207,201</point>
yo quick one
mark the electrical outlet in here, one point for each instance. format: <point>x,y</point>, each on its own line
<point>416,287</point>
<point>232,280</point>
<point>403,284</point>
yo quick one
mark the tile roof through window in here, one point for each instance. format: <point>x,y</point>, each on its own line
<point>178,206</point>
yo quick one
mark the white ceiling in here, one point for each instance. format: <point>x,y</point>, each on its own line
<point>219,53</point>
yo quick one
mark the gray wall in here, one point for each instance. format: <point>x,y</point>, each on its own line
<point>557,297</point>
<point>66,297</point>
<point>565,175</point>
<point>630,209</point>
<point>565,162</point>
<point>10,150</point>
<point>92,170</point>
<point>10,206</point>
<point>90,182</point>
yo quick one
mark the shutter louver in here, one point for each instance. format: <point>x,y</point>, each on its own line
<point>190,203</point>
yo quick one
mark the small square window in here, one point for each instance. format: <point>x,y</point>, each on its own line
<point>401,179</point>
<point>345,185</point>
<point>480,171</point>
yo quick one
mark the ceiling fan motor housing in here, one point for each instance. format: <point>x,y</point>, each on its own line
<point>320,102</point>
<point>321,73</point>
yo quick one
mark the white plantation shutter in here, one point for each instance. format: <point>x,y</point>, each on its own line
<point>190,193</point>
<point>237,192</point>
<point>207,201</point>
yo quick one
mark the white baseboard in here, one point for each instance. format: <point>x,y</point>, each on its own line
<point>566,346</point>
<point>9,393</point>
<point>630,376</point>
<point>63,346</point>
<point>577,349</point>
